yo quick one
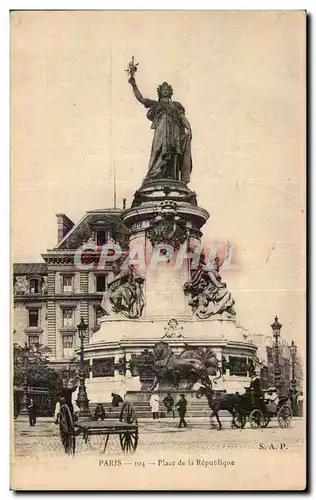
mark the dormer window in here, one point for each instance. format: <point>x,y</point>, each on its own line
<point>34,285</point>
<point>101,237</point>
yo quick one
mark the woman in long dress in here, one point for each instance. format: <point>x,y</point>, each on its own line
<point>171,146</point>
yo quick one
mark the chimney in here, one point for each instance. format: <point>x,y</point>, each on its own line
<point>64,224</point>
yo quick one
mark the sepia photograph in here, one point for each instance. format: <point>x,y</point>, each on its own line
<point>158,250</point>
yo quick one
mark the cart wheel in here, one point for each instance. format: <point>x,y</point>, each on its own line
<point>284,416</point>
<point>256,419</point>
<point>66,430</point>
<point>128,414</point>
<point>129,441</point>
<point>239,420</point>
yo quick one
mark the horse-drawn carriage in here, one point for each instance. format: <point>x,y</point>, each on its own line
<point>259,411</point>
<point>70,427</point>
<point>253,406</point>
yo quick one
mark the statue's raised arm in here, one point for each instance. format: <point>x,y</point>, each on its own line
<point>139,96</point>
<point>171,146</point>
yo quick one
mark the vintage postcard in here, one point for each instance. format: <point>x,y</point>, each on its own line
<point>158,165</point>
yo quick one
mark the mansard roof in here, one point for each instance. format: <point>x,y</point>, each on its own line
<point>82,231</point>
<point>30,268</point>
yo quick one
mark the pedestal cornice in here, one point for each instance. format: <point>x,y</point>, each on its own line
<point>149,210</point>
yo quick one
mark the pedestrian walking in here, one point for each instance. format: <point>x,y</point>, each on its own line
<point>32,412</point>
<point>291,395</point>
<point>154,404</point>
<point>300,403</point>
<point>182,409</point>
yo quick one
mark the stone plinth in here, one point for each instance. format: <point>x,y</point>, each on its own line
<point>163,212</point>
<point>124,330</point>
<point>120,337</point>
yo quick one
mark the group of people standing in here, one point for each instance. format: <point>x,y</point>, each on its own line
<point>168,402</point>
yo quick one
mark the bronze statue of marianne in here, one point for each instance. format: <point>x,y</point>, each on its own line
<point>171,147</point>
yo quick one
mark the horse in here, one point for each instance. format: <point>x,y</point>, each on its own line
<point>219,401</point>
<point>191,365</point>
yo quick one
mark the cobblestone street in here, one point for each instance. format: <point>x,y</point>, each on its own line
<point>43,440</point>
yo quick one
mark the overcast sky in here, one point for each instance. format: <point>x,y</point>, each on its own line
<point>240,77</point>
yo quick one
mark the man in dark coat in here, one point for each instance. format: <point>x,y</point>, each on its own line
<point>32,412</point>
<point>258,396</point>
<point>116,400</point>
<point>99,412</point>
<point>168,401</point>
<point>65,397</point>
<point>300,403</point>
<point>182,409</point>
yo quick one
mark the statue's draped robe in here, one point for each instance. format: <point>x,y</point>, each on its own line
<point>125,293</point>
<point>170,140</point>
<point>209,295</point>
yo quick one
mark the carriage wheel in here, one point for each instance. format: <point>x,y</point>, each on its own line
<point>266,420</point>
<point>284,416</point>
<point>239,420</point>
<point>256,419</point>
<point>129,441</point>
<point>128,414</point>
<point>66,430</point>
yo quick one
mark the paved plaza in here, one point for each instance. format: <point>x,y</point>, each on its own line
<point>43,440</point>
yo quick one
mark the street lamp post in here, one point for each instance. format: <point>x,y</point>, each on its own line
<point>293,352</point>
<point>82,400</point>
<point>24,400</point>
<point>276,328</point>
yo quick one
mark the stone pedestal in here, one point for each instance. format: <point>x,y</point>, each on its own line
<point>164,212</point>
<point>164,291</point>
<point>164,217</point>
<point>122,336</point>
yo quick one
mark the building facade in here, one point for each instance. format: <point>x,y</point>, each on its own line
<point>50,297</point>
